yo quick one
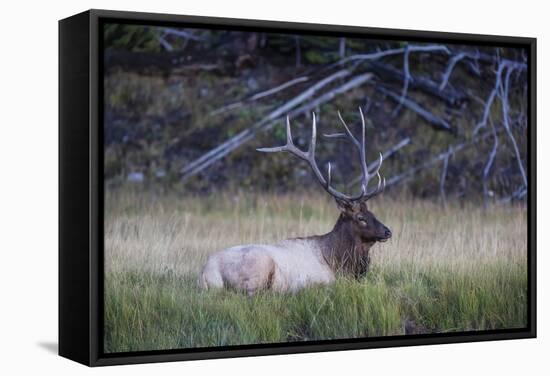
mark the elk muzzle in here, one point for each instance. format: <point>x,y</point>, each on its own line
<point>386,235</point>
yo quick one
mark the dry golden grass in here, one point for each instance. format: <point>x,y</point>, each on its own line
<point>159,233</point>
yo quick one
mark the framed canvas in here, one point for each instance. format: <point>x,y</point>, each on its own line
<point>239,187</point>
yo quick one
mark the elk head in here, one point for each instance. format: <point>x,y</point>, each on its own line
<point>361,222</point>
<point>365,227</point>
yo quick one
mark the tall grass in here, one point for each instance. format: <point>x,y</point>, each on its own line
<point>454,269</point>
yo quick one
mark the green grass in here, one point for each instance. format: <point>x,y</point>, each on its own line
<point>456,269</point>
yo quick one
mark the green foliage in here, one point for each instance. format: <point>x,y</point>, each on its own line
<point>131,37</point>
<point>315,57</point>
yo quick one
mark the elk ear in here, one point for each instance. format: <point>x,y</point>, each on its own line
<point>344,206</point>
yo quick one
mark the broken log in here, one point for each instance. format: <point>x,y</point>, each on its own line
<point>435,121</point>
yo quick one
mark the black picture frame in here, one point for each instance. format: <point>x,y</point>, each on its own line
<point>81,189</point>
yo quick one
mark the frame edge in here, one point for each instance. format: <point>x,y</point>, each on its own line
<point>74,250</point>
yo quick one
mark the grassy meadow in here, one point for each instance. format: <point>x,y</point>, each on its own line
<point>448,269</point>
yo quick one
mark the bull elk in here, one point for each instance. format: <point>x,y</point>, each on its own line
<point>300,262</point>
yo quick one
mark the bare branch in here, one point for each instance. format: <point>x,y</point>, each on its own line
<point>268,121</point>
<point>167,46</point>
<point>490,99</point>
<point>182,34</point>
<point>406,80</point>
<point>495,58</point>
<point>489,163</point>
<point>342,48</point>
<point>260,95</point>
<point>395,51</point>
<point>452,63</point>
<point>227,108</point>
<point>444,177</point>
<point>502,65</point>
<point>353,83</point>
<point>453,150</point>
<point>436,121</point>
<point>504,91</point>
<point>451,96</point>
<point>279,88</point>
<point>335,135</point>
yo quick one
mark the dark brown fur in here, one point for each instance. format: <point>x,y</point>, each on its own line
<point>346,248</point>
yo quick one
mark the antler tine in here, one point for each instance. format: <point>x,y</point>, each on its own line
<point>348,132</point>
<point>380,188</point>
<point>379,181</point>
<point>309,157</point>
<point>288,132</point>
<point>313,164</point>
<point>378,165</point>
<point>361,147</point>
<point>311,150</point>
<point>289,147</point>
<point>363,155</point>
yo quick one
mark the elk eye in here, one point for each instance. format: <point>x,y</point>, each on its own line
<point>362,221</point>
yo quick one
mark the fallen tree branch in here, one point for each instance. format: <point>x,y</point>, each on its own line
<point>226,147</point>
<point>437,122</point>
<point>395,51</point>
<point>453,150</point>
<point>182,33</point>
<point>258,96</point>
<point>451,96</point>
<point>167,46</point>
<point>353,83</point>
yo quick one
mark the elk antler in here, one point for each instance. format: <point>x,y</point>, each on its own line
<point>309,157</point>
<point>366,176</point>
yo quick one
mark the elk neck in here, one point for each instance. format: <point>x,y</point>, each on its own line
<point>344,250</point>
